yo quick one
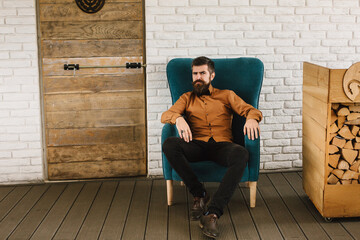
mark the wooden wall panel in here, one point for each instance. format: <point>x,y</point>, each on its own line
<point>81,102</point>
<point>315,93</point>
<point>313,173</point>
<point>113,152</point>
<point>93,83</point>
<point>95,136</point>
<point>92,48</point>
<point>319,114</point>
<point>92,30</point>
<point>69,12</point>
<point>314,131</point>
<point>59,171</point>
<point>342,201</point>
<point>95,120</point>
<point>316,81</point>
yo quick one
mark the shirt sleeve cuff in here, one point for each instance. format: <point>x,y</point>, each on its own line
<point>254,116</point>
<point>173,119</point>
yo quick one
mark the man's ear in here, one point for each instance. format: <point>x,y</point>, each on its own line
<point>212,76</point>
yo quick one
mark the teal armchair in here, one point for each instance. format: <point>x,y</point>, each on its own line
<point>242,75</point>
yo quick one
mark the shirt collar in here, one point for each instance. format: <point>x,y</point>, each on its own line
<point>211,89</point>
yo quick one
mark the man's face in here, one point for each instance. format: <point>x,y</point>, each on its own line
<point>201,79</point>
<point>201,74</point>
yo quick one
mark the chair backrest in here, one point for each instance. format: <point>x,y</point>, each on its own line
<point>242,75</point>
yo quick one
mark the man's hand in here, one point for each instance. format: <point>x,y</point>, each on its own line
<point>252,129</point>
<point>183,129</point>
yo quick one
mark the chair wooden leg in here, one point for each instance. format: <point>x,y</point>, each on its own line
<point>252,186</point>
<point>169,189</point>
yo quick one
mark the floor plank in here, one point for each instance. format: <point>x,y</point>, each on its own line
<point>97,214</point>
<point>54,218</point>
<point>333,229</point>
<point>178,227</point>
<point>30,223</point>
<point>241,218</point>
<point>264,222</point>
<point>4,191</point>
<point>278,209</point>
<point>136,220</point>
<point>352,226</point>
<point>9,223</point>
<point>12,199</point>
<point>75,217</point>
<point>116,218</point>
<point>306,221</point>
<point>137,209</point>
<point>156,227</point>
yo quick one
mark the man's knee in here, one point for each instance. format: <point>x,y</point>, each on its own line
<point>171,144</point>
<point>239,155</point>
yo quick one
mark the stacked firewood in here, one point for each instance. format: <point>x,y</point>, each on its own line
<point>344,158</point>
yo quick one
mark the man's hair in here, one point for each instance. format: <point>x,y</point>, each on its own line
<point>199,61</point>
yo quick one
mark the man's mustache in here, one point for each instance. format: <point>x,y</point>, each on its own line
<point>199,81</point>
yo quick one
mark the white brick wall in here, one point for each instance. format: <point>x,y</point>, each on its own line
<point>281,33</point>
<point>20,129</point>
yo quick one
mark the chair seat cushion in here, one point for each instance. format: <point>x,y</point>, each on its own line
<point>205,171</point>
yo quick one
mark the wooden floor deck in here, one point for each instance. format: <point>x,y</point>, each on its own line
<point>136,209</point>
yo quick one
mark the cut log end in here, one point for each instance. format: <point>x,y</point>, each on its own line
<point>343,111</point>
<point>338,173</point>
<point>343,165</point>
<point>332,179</point>
<point>349,155</point>
<point>333,149</point>
<point>355,166</point>
<point>333,160</point>
<point>346,133</point>
<point>348,175</point>
<point>334,128</point>
<point>335,106</point>
<point>353,116</point>
<point>349,145</point>
<point>339,142</point>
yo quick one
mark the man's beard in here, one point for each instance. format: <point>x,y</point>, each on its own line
<point>200,89</point>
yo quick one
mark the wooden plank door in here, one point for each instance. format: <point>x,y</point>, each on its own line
<point>94,119</point>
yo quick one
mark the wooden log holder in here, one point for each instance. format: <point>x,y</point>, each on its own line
<point>331,139</point>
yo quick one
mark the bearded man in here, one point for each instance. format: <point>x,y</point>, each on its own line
<point>203,119</point>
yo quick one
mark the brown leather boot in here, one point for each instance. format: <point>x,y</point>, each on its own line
<point>199,206</point>
<point>208,224</point>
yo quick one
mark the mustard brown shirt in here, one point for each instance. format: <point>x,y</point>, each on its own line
<point>210,115</point>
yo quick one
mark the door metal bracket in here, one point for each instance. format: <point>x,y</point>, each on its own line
<point>127,65</point>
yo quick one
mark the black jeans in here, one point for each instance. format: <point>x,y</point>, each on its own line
<point>231,155</point>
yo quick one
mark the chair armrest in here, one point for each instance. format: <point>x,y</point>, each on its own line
<point>167,131</point>
<point>253,147</point>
